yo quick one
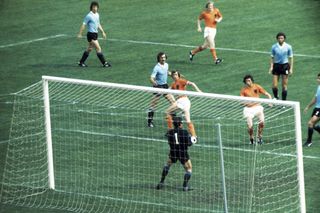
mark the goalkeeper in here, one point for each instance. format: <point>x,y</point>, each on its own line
<point>179,141</point>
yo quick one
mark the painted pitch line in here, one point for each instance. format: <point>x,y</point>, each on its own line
<point>136,201</point>
<point>150,43</point>
<point>191,46</point>
<point>32,41</point>
<point>200,145</point>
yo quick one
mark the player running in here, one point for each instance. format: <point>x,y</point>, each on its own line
<point>315,117</point>
<point>182,102</point>
<point>281,64</point>
<point>211,16</point>
<point>253,109</point>
<point>179,141</point>
<point>92,21</point>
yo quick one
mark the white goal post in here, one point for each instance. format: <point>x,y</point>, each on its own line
<point>94,152</point>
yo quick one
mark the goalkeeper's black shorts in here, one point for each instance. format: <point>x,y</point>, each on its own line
<point>183,157</point>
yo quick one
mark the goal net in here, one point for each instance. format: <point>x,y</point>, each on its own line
<point>84,146</point>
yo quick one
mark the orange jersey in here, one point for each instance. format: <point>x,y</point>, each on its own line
<point>254,91</point>
<point>180,84</point>
<point>209,17</point>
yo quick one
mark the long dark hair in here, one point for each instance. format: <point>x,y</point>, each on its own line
<point>94,3</point>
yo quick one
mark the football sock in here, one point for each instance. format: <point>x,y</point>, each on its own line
<point>191,129</point>
<point>250,131</point>
<point>84,57</point>
<point>317,128</point>
<point>275,92</point>
<point>101,58</point>
<point>310,132</point>
<point>150,116</point>
<point>186,178</point>
<point>260,129</point>
<point>214,53</point>
<point>165,172</point>
<point>284,94</point>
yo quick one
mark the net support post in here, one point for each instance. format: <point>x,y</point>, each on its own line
<point>48,132</point>
<point>224,189</point>
<point>299,157</point>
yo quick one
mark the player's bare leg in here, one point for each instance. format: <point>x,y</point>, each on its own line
<point>190,126</point>
<point>169,112</point>
<point>193,52</point>
<point>250,129</point>
<point>260,130</point>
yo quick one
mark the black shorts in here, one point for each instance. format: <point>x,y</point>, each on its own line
<point>92,36</point>
<point>183,157</point>
<point>316,112</point>
<point>163,86</point>
<point>281,69</point>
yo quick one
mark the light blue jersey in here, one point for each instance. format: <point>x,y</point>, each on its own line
<point>318,97</point>
<point>160,73</point>
<point>92,21</point>
<point>280,54</point>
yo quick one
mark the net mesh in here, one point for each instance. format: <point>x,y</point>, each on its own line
<point>106,159</point>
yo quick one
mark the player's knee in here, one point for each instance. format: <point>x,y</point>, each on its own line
<point>188,174</point>
<point>202,47</point>
<point>261,125</point>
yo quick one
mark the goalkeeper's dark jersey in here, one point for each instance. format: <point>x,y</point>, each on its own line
<point>179,140</point>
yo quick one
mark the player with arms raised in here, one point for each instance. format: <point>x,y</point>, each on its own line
<point>182,102</point>
<point>253,109</point>
<point>211,16</point>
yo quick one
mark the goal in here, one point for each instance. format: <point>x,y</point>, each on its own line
<point>84,146</point>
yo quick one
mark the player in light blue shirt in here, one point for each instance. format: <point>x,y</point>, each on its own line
<point>281,64</point>
<point>158,78</point>
<point>92,21</point>
<point>315,117</point>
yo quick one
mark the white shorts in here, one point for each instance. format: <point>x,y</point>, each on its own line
<point>184,103</point>
<point>251,112</point>
<point>209,31</point>
<point>209,36</point>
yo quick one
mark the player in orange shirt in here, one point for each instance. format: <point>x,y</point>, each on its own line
<point>211,16</point>
<point>182,102</point>
<point>253,109</point>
